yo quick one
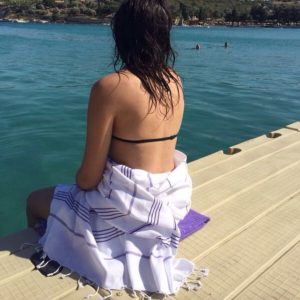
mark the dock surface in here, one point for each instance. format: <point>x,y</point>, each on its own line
<point>251,192</point>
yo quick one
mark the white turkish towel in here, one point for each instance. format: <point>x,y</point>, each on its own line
<point>124,234</point>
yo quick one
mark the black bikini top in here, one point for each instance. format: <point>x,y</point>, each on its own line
<point>171,137</point>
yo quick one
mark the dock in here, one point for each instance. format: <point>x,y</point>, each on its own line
<point>251,245</point>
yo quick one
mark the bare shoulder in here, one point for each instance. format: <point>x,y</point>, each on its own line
<point>106,84</point>
<point>105,90</point>
<point>113,83</point>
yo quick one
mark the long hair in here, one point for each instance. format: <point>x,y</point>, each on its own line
<point>141,30</point>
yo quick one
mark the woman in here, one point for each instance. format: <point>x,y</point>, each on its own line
<point>118,225</point>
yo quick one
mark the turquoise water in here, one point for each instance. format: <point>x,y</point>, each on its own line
<point>46,71</point>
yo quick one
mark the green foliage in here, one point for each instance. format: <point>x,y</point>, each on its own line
<point>40,6</point>
<point>55,16</point>
<point>259,13</point>
<point>106,7</point>
<point>21,3</point>
<point>230,10</point>
<point>88,11</point>
<point>202,14</point>
<point>40,12</point>
<point>286,14</point>
<point>244,17</point>
<point>91,4</point>
<point>49,3</point>
<point>184,11</point>
<point>74,11</point>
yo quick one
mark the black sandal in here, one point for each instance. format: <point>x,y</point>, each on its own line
<point>45,265</point>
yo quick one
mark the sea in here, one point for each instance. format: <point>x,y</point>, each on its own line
<point>46,71</point>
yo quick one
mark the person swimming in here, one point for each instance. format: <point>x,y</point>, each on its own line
<point>197,47</point>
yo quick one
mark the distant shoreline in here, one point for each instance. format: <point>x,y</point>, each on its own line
<point>106,21</point>
<point>198,13</point>
<point>75,20</point>
<point>75,15</point>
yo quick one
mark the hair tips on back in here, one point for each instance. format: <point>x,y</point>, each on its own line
<point>141,30</point>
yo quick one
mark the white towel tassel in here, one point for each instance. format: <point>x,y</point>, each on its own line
<point>133,293</point>
<point>79,284</point>
<point>145,296</point>
<point>93,295</point>
<point>201,272</point>
<point>166,297</point>
<point>107,296</point>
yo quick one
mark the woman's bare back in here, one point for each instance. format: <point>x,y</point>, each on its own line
<point>134,122</point>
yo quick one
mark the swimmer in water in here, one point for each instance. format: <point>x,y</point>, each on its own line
<point>225,45</point>
<point>197,47</point>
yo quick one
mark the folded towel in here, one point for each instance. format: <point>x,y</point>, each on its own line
<point>191,223</point>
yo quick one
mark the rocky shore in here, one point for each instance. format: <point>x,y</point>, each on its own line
<point>82,14</point>
<point>106,21</point>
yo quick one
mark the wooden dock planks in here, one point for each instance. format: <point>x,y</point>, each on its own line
<point>251,245</point>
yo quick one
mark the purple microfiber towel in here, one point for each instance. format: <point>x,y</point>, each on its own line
<point>192,222</point>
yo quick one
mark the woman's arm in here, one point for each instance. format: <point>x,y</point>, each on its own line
<point>100,117</point>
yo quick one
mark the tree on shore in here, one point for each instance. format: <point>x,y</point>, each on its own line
<point>49,3</point>
<point>285,14</point>
<point>259,13</point>
<point>232,16</point>
<point>202,14</point>
<point>184,11</point>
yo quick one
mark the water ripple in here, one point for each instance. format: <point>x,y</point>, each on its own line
<point>46,72</point>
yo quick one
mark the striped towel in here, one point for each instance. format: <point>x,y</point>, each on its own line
<point>125,233</point>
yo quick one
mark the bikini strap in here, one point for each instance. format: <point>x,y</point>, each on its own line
<point>145,140</point>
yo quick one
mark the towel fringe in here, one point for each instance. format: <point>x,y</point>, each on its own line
<point>107,296</point>
<point>201,272</point>
<point>97,293</point>
<point>93,295</point>
<point>133,293</point>
<point>166,297</point>
<point>192,285</point>
<point>86,281</point>
<point>79,284</point>
<point>198,274</point>
<point>144,296</point>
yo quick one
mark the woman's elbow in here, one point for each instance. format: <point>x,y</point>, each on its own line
<point>86,182</point>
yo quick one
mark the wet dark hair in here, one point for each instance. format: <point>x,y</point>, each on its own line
<point>141,30</point>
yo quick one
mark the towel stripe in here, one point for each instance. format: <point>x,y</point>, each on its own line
<point>70,196</point>
<point>107,233</point>
<point>104,230</point>
<point>78,211</point>
<point>108,238</point>
<point>157,213</point>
